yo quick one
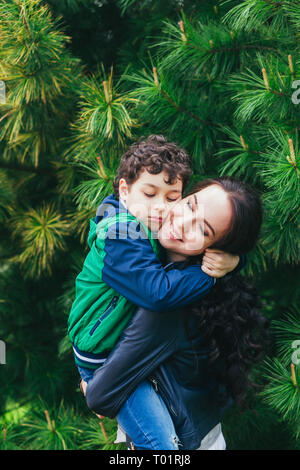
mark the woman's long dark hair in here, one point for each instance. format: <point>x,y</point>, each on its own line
<point>229,316</point>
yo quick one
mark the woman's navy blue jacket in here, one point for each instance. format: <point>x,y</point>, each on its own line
<point>168,349</point>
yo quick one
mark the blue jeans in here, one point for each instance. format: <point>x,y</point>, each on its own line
<point>144,417</point>
<point>85,374</point>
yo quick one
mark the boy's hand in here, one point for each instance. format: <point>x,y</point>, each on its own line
<point>217,263</point>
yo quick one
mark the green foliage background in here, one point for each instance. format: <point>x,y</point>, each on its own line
<point>84,79</point>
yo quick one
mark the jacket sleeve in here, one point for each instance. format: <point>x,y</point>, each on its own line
<point>132,268</point>
<point>146,342</point>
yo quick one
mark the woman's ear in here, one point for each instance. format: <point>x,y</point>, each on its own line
<point>123,189</point>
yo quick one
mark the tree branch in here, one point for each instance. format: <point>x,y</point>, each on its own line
<point>232,48</point>
<point>29,169</point>
<point>185,111</point>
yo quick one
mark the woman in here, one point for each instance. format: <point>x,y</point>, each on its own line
<point>199,359</point>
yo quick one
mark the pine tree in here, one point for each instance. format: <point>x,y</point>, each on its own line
<point>222,80</point>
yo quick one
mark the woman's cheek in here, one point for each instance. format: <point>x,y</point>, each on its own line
<point>197,245</point>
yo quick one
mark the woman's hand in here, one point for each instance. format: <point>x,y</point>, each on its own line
<point>83,387</point>
<point>217,263</point>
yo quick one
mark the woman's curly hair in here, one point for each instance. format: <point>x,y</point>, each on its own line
<point>235,331</point>
<point>229,316</point>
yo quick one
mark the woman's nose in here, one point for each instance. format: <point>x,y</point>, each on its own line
<point>183,220</point>
<point>176,210</point>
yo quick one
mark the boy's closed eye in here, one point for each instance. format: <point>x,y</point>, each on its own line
<point>169,199</point>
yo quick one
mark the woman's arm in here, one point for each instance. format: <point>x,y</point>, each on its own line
<point>131,268</point>
<point>146,342</point>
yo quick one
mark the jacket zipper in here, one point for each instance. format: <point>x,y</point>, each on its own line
<point>155,383</point>
<point>135,382</point>
<point>109,309</point>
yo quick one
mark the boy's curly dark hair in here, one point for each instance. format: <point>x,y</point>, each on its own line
<point>155,154</point>
<point>229,316</point>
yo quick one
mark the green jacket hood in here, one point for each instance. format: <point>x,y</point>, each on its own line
<point>92,232</point>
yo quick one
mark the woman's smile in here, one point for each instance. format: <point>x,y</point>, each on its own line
<point>173,234</point>
<point>196,222</point>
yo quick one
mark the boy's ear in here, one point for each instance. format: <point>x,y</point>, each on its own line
<point>123,189</point>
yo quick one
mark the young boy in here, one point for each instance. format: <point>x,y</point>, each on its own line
<point>123,268</point>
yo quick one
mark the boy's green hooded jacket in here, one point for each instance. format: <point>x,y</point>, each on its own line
<point>121,272</point>
<point>99,314</point>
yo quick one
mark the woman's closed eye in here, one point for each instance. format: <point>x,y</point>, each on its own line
<point>202,230</point>
<point>189,204</point>
<point>191,207</point>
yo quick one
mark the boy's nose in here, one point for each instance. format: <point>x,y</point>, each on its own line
<point>159,206</point>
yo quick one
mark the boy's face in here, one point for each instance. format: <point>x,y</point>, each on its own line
<point>150,198</point>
